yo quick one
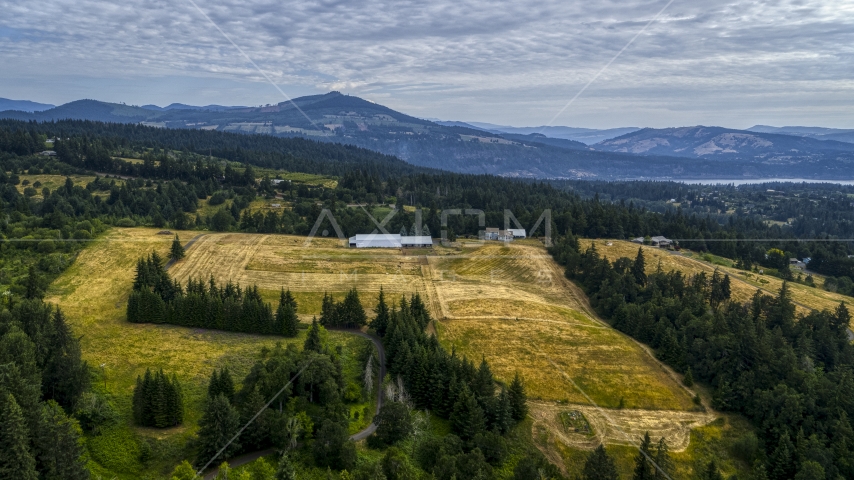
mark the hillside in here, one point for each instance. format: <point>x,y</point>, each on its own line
<point>726,144</point>
<point>23,105</point>
<point>467,148</point>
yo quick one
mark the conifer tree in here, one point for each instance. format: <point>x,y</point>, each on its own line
<point>688,381</point>
<point>484,386</point>
<point>467,419</point>
<point>600,466</point>
<point>286,315</point>
<point>177,251</point>
<point>60,445</point>
<point>312,340</point>
<point>16,460</point>
<point>219,422</point>
<point>33,285</point>
<point>711,472</point>
<point>639,268</point>
<point>663,463</point>
<point>503,420</point>
<point>380,322</point>
<point>518,398</point>
<point>66,375</point>
<point>643,468</point>
<point>328,311</point>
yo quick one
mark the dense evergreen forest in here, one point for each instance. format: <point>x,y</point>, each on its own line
<point>790,374</point>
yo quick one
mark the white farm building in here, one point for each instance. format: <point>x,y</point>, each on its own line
<point>390,240</point>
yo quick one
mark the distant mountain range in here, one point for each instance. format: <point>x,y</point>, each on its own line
<point>820,133</point>
<point>181,106</point>
<point>587,136</point>
<point>23,105</point>
<point>529,152</point>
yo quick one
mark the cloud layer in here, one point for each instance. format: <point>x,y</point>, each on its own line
<point>712,62</point>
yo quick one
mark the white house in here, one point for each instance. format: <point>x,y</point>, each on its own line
<point>661,242</point>
<point>517,232</point>
<point>391,240</point>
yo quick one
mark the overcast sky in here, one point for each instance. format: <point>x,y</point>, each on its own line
<point>731,63</point>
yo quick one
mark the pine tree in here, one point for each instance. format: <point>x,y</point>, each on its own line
<point>60,445</point>
<point>177,251</point>
<point>600,466</point>
<point>286,315</point>
<point>467,419</point>
<point>328,311</point>
<point>484,386</point>
<point>16,459</point>
<point>639,268</point>
<point>66,375</point>
<point>380,322</point>
<point>663,463</point>
<point>33,285</point>
<point>711,472</point>
<point>688,381</point>
<point>219,422</point>
<point>503,420</point>
<point>312,340</point>
<point>518,398</point>
<point>643,469</point>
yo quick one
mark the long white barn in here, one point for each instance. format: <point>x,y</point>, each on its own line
<point>390,240</point>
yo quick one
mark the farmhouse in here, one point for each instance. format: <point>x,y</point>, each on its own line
<point>795,263</point>
<point>638,240</point>
<point>662,242</point>
<point>503,235</point>
<point>390,240</point>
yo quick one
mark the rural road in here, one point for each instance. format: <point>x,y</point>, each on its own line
<point>361,435</point>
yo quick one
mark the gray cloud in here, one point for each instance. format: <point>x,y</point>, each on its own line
<point>733,63</point>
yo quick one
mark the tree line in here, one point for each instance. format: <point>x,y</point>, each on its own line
<point>42,383</point>
<point>156,298</point>
<point>791,374</point>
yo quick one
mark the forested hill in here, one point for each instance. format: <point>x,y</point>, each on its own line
<point>691,152</point>
<point>292,154</point>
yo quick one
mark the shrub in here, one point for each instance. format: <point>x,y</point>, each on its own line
<point>46,246</point>
<point>217,198</point>
<point>125,222</point>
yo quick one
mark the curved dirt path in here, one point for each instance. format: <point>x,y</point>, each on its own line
<point>361,435</point>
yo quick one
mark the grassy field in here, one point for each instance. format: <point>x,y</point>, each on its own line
<point>744,283</point>
<point>93,293</point>
<point>512,305</point>
<point>274,262</point>
<point>509,304</point>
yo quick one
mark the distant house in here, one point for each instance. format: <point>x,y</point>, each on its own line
<point>661,242</point>
<point>391,240</point>
<point>48,153</point>
<point>491,233</point>
<point>277,181</point>
<point>795,263</point>
<point>275,205</point>
<point>504,235</point>
<point>638,240</point>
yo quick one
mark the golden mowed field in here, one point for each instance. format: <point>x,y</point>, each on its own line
<point>744,284</point>
<point>273,262</point>
<point>93,294</point>
<point>512,305</point>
